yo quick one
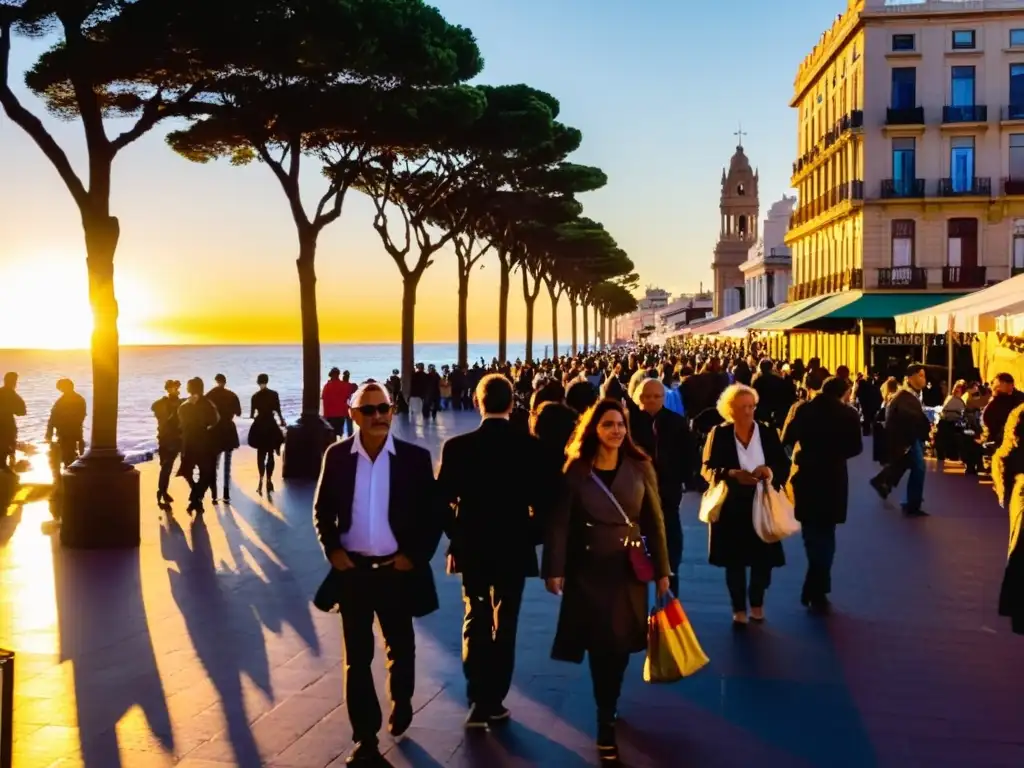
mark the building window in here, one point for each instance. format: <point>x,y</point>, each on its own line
<point>1017,38</point>
<point>902,244</point>
<point>904,166</point>
<point>962,87</point>
<point>903,42</point>
<point>1016,92</point>
<point>740,190</point>
<point>963,39</point>
<point>743,226</point>
<point>961,163</point>
<point>1018,246</point>
<point>904,87</point>
<point>1017,156</point>
<point>962,243</point>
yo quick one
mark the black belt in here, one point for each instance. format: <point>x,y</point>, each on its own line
<point>372,561</point>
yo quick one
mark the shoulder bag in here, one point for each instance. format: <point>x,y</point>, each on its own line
<point>636,547</point>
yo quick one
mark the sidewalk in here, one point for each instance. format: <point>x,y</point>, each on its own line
<point>202,650</point>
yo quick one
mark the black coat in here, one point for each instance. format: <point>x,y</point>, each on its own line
<point>264,434</point>
<point>905,423</point>
<point>1008,483</point>
<point>491,479</point>
<point>604,607</point>
<point>732,540</point>
<point>826,433</point>
<point>775,396</point>
<point>665,437</point>
<point>225,433</point>
<point>414,514</point>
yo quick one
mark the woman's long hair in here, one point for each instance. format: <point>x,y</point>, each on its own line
<point>1013,439</point>
<point>584,443</point>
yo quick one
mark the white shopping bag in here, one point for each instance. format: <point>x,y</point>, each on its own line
<point>774,519</point>
<point>711,502</point>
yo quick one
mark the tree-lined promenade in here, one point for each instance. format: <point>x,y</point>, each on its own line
<point>371,96</point>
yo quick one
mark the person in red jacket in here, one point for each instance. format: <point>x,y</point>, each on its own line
<point>336,394</point>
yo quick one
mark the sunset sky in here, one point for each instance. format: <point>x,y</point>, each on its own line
<point>207,252</point>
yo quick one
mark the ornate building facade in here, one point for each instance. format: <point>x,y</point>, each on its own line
<point>738,232</point>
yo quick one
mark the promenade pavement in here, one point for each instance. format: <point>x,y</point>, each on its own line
<point>202,649</point>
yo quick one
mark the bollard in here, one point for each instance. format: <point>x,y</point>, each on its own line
<point>6,708</point>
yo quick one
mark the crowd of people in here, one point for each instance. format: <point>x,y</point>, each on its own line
<point>594,454</point>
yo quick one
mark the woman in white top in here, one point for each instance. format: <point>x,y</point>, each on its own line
<point>741,453</point>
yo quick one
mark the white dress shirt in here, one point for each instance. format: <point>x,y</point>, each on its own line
<point>751,456</point>
<point>371,533</point>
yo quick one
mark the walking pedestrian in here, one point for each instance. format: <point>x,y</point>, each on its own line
<point>264,434</point>
<point>610,499</point>
<point>825,433</point>
<point>198,416</point>
<point>336,394</point>
<point>742,453</point>
<point>906,432</point>
<point>168,437</point>
<point>1008,483</point>
<point>11,406</point>
<point>224,433</point>
<point>67,420</point>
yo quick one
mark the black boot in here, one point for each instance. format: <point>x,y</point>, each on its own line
<point>607,744</point>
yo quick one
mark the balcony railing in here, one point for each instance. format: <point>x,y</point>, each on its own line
<point>904,116</point>
<point>973,113</point>
<point>963,277</point>
<point>851,279</point>
<point>1013,186</point>
<point>1013,112</point>
<point>902,278</point>
<point>895,188</point>
<point>978,186</point>
<point>853,190</point>
<point>843,125</point>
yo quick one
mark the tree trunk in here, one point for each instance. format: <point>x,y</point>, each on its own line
<point>101,238</point>
<point>572,308</point>
<point>306,264</point>
<point>586,330</point>
<point>554,322</point>
<point>410,282</point>
<point>463,316</point>
<point>504,286</point>
<point>530,298</point>
<point>597,331</point>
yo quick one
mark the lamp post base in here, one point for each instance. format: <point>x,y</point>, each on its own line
<point>304,446</point>
<point>99,503</point>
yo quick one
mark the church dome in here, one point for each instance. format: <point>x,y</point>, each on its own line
<point>739,162</point>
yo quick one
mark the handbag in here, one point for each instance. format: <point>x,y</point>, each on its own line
<point>712,501</point>
<point>636,547</point>
<point>673,651</point>
<point>774,517</point>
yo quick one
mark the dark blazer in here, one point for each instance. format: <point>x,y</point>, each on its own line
<point>905,423</point>
<point>414,514</point>
<point>732,539</point>
<point>670,447</point>
<point>490,480</point>
<point>225,433</point>
<point>826,433</point>
<point>604,607</point>
<point>775,395</point>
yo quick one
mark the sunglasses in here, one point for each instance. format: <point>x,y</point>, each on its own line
<point>370,410</point>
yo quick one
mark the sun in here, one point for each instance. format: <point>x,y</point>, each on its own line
<point>44,304</point>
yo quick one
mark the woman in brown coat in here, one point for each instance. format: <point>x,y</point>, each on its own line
<point>1008,483</point>
<point>610,497</point>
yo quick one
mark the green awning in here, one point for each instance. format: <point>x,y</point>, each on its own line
<point>779,320</point>
<point>827,307</point>
<point>878,306</point>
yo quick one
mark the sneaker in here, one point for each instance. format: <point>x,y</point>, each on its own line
<point>400,720</point>
<point>909,512</point>
<point>478,717</point>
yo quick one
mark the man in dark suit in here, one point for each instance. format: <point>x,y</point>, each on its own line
<point>379,523</point>
<point>489,478</point>
<point>775,395</point>
<point>665,436</point>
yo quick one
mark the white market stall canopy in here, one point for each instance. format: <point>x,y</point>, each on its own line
<point>974,313</point>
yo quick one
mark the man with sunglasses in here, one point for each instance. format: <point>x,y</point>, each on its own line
<point>379,522</point>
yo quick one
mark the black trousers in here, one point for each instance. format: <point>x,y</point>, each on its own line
<point>227,474</point>
<point>489,636</point>
<point>736,581</point>
<point>607,671</point>
<point>366,592</point>
<point>167,457</point>
<point>265,462</point>
<point>207,471</point>
<point>673,535</point>
<point>341,425</point>
<point>820,546</point>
